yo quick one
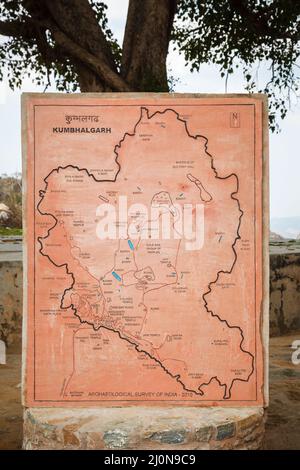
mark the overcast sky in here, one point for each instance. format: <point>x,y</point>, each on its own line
<point>284,147</point>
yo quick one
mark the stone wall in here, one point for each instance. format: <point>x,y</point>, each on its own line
<point>284,293</point>
<point>144,428</point>
<point>11,291</point>
<point>284,297</point>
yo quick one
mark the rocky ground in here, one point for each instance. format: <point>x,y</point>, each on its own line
<point>279,247</point>
<point>283,423</point>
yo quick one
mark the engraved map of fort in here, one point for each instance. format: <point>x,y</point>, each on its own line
<point>143,230</point>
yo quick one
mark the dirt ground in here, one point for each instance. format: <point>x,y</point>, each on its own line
<point>283,422</point>
<point>10,400</point>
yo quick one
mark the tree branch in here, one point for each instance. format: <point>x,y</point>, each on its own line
<point>107,75</point>
<point>24,29</point>
<point>77,20</point>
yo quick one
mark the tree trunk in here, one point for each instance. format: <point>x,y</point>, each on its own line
<point>146,42</point>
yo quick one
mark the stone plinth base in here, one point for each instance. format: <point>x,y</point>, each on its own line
<point>143,428</point>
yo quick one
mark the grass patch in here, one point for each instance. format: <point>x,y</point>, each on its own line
<point>6,231</point>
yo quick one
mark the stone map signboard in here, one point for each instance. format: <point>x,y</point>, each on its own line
<point>145,274</point>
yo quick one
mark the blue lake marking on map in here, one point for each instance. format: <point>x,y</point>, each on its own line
<point>130,244</point>
<point>116,276</point>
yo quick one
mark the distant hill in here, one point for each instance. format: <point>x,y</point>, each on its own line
<point>275,237</point>
<point>287,227</point>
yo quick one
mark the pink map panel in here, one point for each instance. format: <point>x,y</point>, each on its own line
<point>144,250</point>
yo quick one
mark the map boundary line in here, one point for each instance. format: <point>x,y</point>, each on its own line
<point>163,105</point>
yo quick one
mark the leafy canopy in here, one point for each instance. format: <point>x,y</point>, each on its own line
<point>229,33</point>
<point>37,56</point>
<point>235,33</point>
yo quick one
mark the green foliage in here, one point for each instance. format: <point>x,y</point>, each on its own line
<point>21,57</point>
<point>6,231</point>
<point>246,34</point>
<point>173,81</point>
<point>11,196</point>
